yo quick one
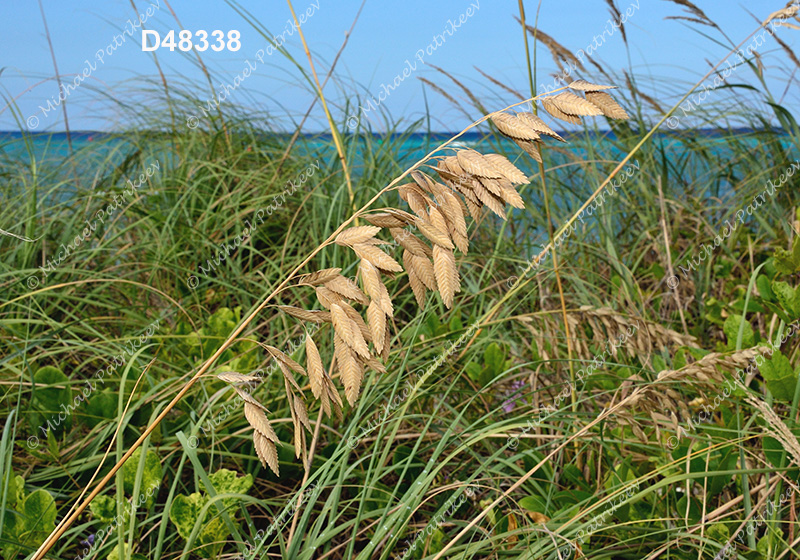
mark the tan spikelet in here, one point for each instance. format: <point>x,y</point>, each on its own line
<point>583,85</point>
<point>358,234</point>
<point>348,330</point>
<point>267,452</point>
<point>306,315</point>
<point>424,270</point>
<point>532,149</point>
<point>513,127</point>
<point>410,242</point>
<point>606,103</point>
<point>417,287</point>
<point>512,197</point>
<point>356,317</point>
<point>553,109</point>
<point>327,297</point>
<point>574,104</point>
<point>247,398</point>
<point>474,163</point>
<point>347,288</point>
<point>438,221</point>
<point>487,198</point>
<point>235,377</point>
<point>538,125</point>
<point>319,277</point>
<point>258,420</point>
<point>456,223</point>
<point>444,267</point>
<point>302,413</point>
<point>385,220</point>
<point>433,233</point>
<point>370,279</point>
<point>492,185</point>
<point>278,355</point>
<point>314,368</point>
<point>349,367</point>
<point>508,169</point>
<point>377,325</point>
<point>377,257</point>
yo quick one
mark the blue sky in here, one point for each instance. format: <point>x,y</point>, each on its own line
<point>664,54</point>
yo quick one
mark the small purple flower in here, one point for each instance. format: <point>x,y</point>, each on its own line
<point>511,403</point>
<point>89,541</point>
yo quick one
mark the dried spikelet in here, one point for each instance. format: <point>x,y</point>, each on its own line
<point>267,452</point>
<point>487,198</point>
<point>607,105</point>
<point>410,242</point>
<point>456,222</point>
<point>438,220</point>
<point>423,267</point>
<point>258,420</point>
<point>349,367</point>
<point>377,324</point>
<point>385,220</point>
<point>347,288</point>
<point>492,185</point>
<point>583,85</point>
<point>778,429</point>
<point>512,197</point>
<point>553,109</point>
<point>358,234</point>
<point>319,277</point>
<point>417,287</point>
<point>532,149</point>
<point>423,181</point>
<point>574,105</point>
<point>444,267</point>
<point>301,412</point>
<point>376,364</point>
<point>560,53</point>
<point>377,291</point>
<point>474,163</point>
<point>306,315</point>
<point>327,297</point>
<point>356,317</point>
<point>281,357</point>
<point>508,169</point>
<point>513,127</point>
<point>348,330</point>
<point>247,398</point>
<point>433,233</point>
<point>234,377</point>
<point>314,368</point>
<point>700,16</point>
<point>538,125</point>
<point>377,258</point>
<point>401,215</point>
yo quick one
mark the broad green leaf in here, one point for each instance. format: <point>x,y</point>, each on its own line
<point>184,512</point>
<point>764,288</point>
<point>101,406</point>
<point>151,476</point>
<point>786,296</point>
<point>731,330</point>
<point>104,508</point>
<point>781,380</point>
<point>494,358</point>
<point>50,393</point>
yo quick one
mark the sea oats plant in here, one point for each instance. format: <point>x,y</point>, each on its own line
<point>471,182</point>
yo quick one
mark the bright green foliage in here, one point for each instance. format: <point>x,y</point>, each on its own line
<point>781,379</point>
<point>186,511</point>
<point>731,328</point>
<point>51,392</point>
<point>494,364</point>
<point>29,520</point>
<point>151,476</point>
